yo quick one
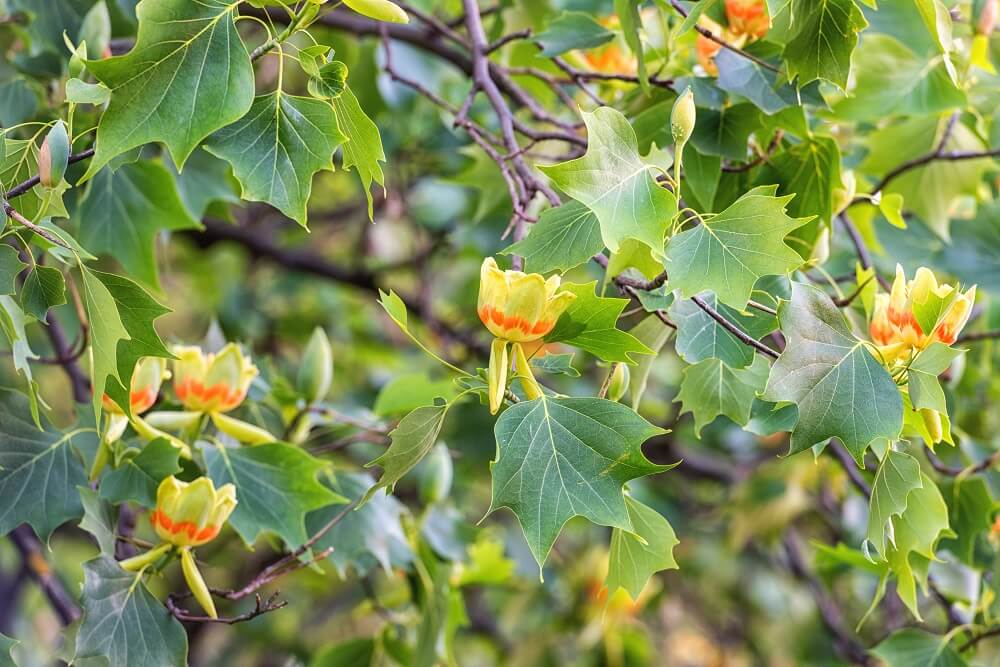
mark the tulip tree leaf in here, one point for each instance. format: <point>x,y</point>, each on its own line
<point>897,475</point>
<point>188,75</point>
<point>570,31</point>
<point>728,252</point>
<point>412,439</point>
<point>711,388</point>
<point>125,623</point>
<point>613,181</point>
<point>12,322</point>
<point>98,520</point>
<point>124,209</point>
<point>276,486</point>
<point>922,378</point>
<point>138,477</point>
<point>970,514</point>
<point>699,337</point>
<point>589,323</point>
<point>840,389</point>
<point>10,266</point>
<point>363,147</point>
<point>367,536</point>
<point>6,647</point>
<point>563,238</point>
<point>631,560</point>
<point>558,458</point>
<point>912,646</point>
<point>278,147</point>
<point>44,288</point>
<point>39,470</point>
<point>824,35</point>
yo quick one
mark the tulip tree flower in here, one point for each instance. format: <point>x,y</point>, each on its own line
<point>187,515</point>
<point>211,385</point>
<point>748,17</point>
<point>517,308</point>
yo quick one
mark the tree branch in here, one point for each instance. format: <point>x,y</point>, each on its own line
<point>30,548</point>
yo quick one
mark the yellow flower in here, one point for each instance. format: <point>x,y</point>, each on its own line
<point>149,374</point>
<point>919,312</point>
<point>212,382</point>
<point>190,514</point>
<point>519,307</point>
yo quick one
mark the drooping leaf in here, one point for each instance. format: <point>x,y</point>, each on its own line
<point>912,646</point>
<point>10,266</point>
<point>412,439</point>
<point>12,321</point>
<point>922,378</point>
<point>728,252</point>
<point>39,470</point>
<point>363,147</point>
<point>589,323</point>
<point>636,556</point>
<point>898,474</point>
<point>711,388</point>
<point>276,487</point>
<point>616,184</point>
<point>699,337</point>
<point>563,457</point>
<point>367,536</point>
<point>563,238</point>
<point>840,389</point>
<point>572,30</point>
<point>106,332</point>
<point>277,148</point>
<point>124,623</point>
<point>98,520</point>
<point>44,288</point>
<point>825,33</point>
<point>138,477</point>
<point>188,75</point>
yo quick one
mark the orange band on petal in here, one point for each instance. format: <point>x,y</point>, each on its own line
<point>161,520</point>
<point>489,314</point>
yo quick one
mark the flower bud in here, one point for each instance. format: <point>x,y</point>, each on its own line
<point>316,371</point>
<point>53,157</point>
<point>519,307</point>
<point>190,514</point>
<point>434,484</point>
<point>932,421</point>
<point>212,382</point>
<point>196,583</point>
<point>682,118</point>
<point>618,385</point>
<point>380,10</point>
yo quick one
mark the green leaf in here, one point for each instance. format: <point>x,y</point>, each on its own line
<point>106,332</point>
<point>922,378</point>
<point>138,477</point>
<point>699,337</point>
<point>711,388</point>
<point>840,389</point>
<point>98,520</point>
<point>124,622</point>
<point>363,148</point>
<point>654,334</point>
<point>10,266</point>
<point>895,80</point>
<point>276,487</point>
<point>81,92</point>
<point>916,533</point>
<point>351,653</point>
<point>6,651</point>
<point>558,458</point>
<point>44,288</point>
<point>627,12</point>
<point>39,470</point>
<point>367,536</point>
<point>725,132</point>
<point>12,321</point>
<point>563,238</point>
<point>636,556</point>
<point>589,323</point>
<point>409,391</point>
<point>728,252</point>
<point>278,147</point>
<point>556,364</point>
<point>330,81</point>
<point>911,646</point>
<point>970,514</point>
<point>412,439</point>
<point>614,182</point>
<point>205,180</point>
<point>741,76</point>
<point>188,75</point>
<point>124,209</point>
<point>824,34</point>
<point>897,475</point>
<point>930,191</point>
<point>570,31</point>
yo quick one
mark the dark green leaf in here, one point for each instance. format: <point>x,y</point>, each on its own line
<point>572,30</point>
<point>711,388</point>
<point>138,477</point>
<point>699,337</point>
<point>98,520</point>
<point>563,238</point>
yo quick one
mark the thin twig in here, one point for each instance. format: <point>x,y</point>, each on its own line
<point>723,43</point>
<point>30,548</point>
<point>732,328</point>
<point>261,607</point>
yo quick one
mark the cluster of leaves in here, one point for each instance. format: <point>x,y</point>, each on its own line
<point>732,262</point>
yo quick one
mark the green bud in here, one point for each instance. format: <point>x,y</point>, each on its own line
<point>682,118</point>
<point>316,371</point>
<point>380,10</point>
<point>434,484</point>
<point>53,158</point>
<point>619,382</point>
